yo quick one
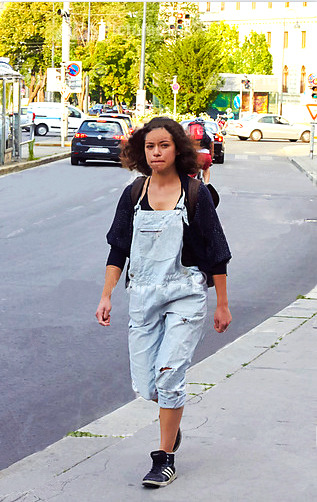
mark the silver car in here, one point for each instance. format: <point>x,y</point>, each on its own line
<point>257,127</point>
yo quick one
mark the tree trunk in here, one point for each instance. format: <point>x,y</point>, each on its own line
<point>81,95</point>
<point>37,89</point>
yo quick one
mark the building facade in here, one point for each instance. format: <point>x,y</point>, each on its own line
<point>291,32</point>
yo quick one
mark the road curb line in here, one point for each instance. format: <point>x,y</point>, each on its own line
<point>139,413</point>
<point>311,175</point>
<point>21,166</point>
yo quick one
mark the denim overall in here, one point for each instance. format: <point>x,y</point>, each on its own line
<point>168,305</point>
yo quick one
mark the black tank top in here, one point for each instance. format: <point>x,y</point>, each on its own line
<point>144,202</point>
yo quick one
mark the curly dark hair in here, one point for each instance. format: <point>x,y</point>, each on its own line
<point>133,154</point>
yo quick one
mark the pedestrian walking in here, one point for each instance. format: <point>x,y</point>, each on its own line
<point>167,226</point>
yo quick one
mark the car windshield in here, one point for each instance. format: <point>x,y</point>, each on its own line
<point>212,126</point>
<point>110,128</point>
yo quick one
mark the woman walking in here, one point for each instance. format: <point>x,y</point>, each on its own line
<point>176,249</point>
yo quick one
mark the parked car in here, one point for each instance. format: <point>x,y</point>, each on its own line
<point>122,116</point>
<point>219,142</point>
<point>26,117</point>
<point>99,139</point>
<point>269,126</point>
<point>48,117</point>
<point>96,109</point>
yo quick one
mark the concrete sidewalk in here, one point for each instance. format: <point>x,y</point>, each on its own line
<point>48,150</point>
<point>249,430</point>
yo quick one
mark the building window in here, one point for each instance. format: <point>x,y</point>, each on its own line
<point>303,39</point>
<point>285,40</point>
<point>286,4</point>
<point>268,38</point>
<point>270,5</point>
<point>253,5</point>
<point>222,5</point>
<point>302,79</point>
<point>208,7</point>
<point>285,79</point>
<point>237,5</point>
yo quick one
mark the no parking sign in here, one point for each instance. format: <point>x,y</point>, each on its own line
<point>74,75</point>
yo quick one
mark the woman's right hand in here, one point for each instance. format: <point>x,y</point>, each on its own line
<point>103,311</point>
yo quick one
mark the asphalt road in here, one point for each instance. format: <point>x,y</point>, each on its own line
<point>59,369</point>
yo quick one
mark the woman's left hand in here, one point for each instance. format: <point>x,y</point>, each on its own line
<point>222,319</point>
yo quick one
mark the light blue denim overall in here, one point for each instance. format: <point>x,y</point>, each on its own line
<point>168,305</point>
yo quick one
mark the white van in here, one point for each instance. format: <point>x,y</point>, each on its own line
<point>48,117</point>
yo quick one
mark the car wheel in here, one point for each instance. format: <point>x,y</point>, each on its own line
<point>293,140</point>
<point>82,161</point>
<point>305,137</point>
<point>74,161</point>
<point>41,130</point>
<point>242,138</point>
<point>256,135</point>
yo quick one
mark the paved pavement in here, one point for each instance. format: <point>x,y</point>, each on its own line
<point>48,150</point>
<point>249,430</point>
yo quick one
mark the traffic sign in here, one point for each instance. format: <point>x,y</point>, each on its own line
<point>175,87</point>
<point>237,101</point>
<point>312,79</point>
<point>312,110</point>
<point>73,69</point>
<point>73,74</point>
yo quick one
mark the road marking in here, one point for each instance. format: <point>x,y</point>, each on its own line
<point>51,217</point>
<point>38,222</point>
<point>98,198</point>
<point>16,232</point>
<point>241,157</point>
<point>76,208</point>
<point>113,190</point>
<point>266,157</point>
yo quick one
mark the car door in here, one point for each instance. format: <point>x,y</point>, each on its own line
<point>74,118</point>
<point>266,126</point>
<point>283,129</point>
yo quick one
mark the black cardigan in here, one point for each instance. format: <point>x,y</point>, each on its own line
<point>204,243</point>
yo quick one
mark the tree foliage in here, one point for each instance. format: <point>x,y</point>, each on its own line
<point>253,56</point>
<point>195,60</point>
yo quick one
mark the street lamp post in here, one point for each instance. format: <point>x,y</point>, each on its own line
<point>140,97</point>
<point>86,103</point>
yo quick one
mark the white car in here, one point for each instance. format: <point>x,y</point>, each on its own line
<point>48,117</point>
<point>257,127</point>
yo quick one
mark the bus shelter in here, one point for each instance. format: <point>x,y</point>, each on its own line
<point>10,112</point>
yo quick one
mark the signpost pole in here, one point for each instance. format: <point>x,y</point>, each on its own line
<point>312,134</point>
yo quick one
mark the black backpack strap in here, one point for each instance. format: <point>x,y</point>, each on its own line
<point>193,187</point>
<point>136,189</point>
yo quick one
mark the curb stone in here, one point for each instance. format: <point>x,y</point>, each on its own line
<point>21,166</point>
<point>310,174</point>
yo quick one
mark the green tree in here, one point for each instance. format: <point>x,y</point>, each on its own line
<point>227,39</point>
<point>253,56</point>
<point>26,31</point>
<point>195,59</point>
<point>112,66</point>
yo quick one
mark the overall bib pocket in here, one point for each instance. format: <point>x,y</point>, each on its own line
<point>158,244</point>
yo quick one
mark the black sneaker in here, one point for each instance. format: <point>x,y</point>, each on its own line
<point>163,470</point>
<point>178,441</point>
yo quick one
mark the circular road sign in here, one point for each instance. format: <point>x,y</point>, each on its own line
<point>175,87</point>
<point>73,69</point>
<point>237,101</point>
